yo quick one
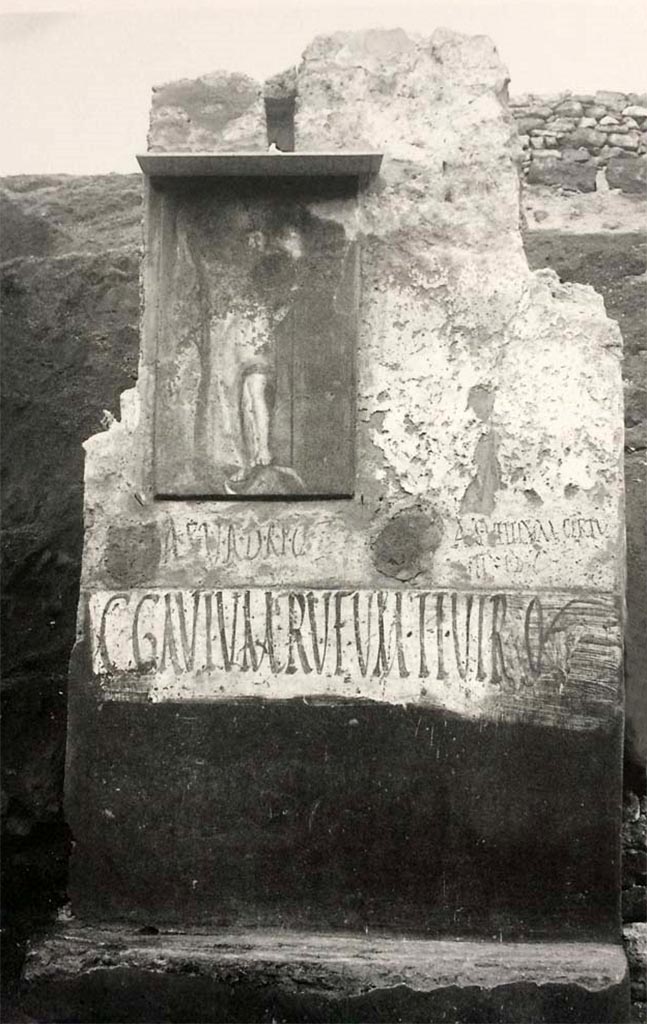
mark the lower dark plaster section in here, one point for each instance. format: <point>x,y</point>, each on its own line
<point>347,816</point>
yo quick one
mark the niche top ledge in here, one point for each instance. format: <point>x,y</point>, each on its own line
<point>259,165</point>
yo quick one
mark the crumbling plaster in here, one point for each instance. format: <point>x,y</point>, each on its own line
<point>448,306</point>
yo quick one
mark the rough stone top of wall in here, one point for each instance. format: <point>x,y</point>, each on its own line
<point>435,106</point>
<point>584,141</point>
<point>579,142</point>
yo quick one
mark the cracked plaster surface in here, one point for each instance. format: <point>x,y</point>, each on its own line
<point>448,305</point>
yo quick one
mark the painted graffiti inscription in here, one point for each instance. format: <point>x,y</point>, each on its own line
<point>530,531</point>
<point>523,547</point>
<point>220,541</point>
<point>396,645</point>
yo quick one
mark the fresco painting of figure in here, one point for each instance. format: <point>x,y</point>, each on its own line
<point>254,388</point>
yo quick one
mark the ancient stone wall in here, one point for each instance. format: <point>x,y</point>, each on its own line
<point>70,311</point>
<point>584,142</point>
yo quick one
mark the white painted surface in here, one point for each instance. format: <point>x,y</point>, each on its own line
<point>472,653</point>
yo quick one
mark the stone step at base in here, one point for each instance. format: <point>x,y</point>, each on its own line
<point>89,974</point>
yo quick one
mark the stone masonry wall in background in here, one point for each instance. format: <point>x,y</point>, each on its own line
<point>584,142</point>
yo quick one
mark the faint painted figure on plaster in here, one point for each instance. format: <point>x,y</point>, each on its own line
<point>255,353</point>
<point>244,352</point>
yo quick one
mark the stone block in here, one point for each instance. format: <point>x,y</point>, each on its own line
<point>634,904</point>
<point>634,864</point>
<point>635,405</point>
<point>524,124</point>
<point>589,137</point>
<point>570,108</point>
<point>635,942</point>
<point>595,111</point>
<point>628,173</point>
<point>220,976</point>
<point>579,155</point>
<point>215,112</point>
<point>616,101</point>
<point>562,125</point>
<point>634,830</point>
<point>635,110</point>
<point>636,402</point>
<point>578,177</point>
<point>629,141</point>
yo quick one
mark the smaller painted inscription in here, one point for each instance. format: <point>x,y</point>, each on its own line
<point>454,648</point>
<point>536,532</point>
<point>525,548</point>
<point>220,541</point>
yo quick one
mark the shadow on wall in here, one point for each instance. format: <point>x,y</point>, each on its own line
<point>69,340</point>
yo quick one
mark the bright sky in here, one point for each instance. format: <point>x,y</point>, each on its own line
<point>75,79</point>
